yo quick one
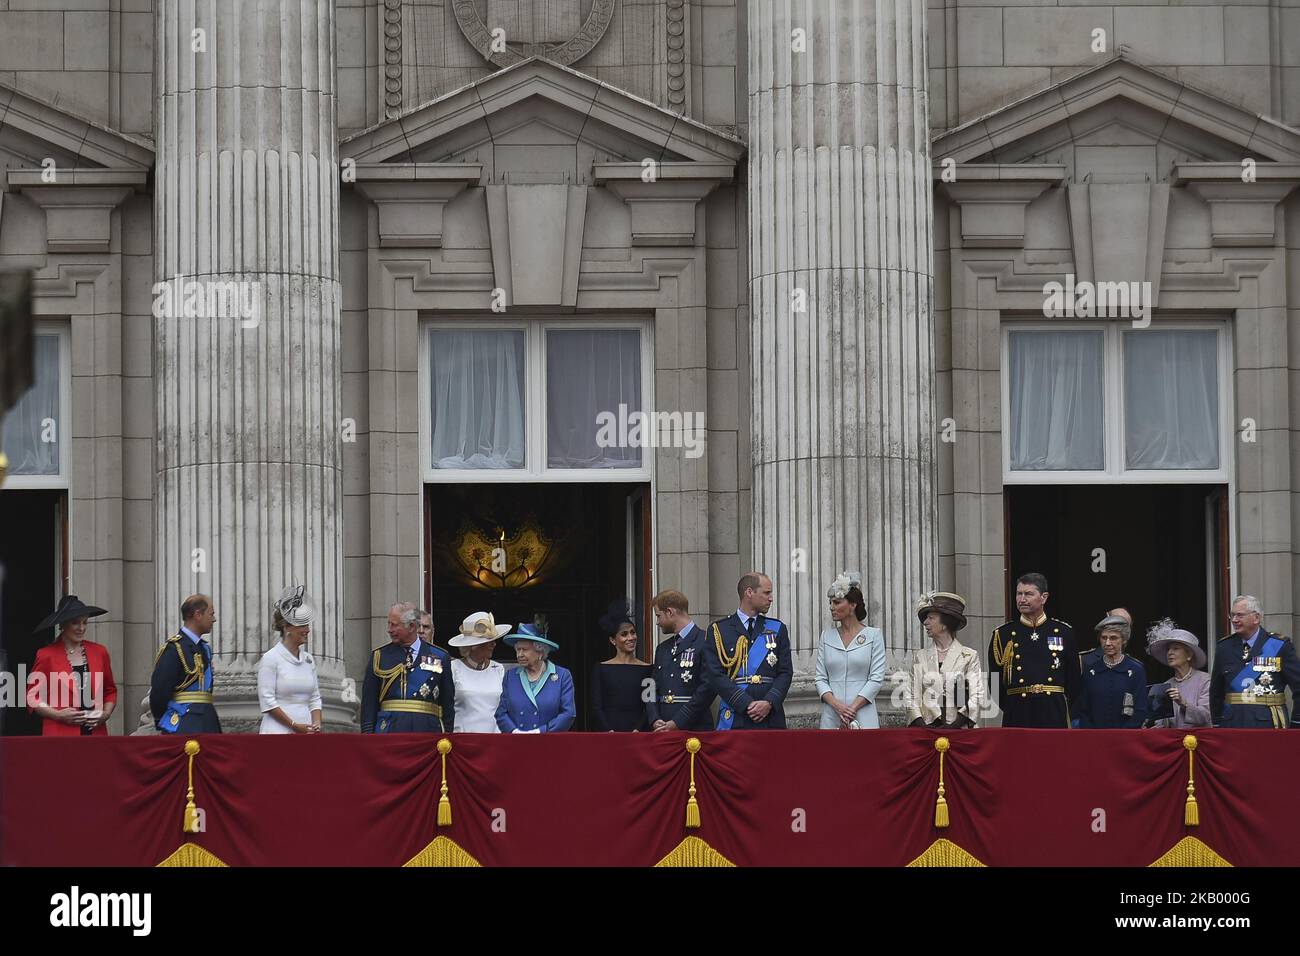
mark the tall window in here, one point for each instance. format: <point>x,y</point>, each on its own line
<point>1106,401</point>
<point>36,430</point>
<point>538,399</point>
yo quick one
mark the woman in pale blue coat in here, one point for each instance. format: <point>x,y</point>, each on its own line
<point>850,660</point>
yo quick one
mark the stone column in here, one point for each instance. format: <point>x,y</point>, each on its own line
<point>248,494</point>
<point>842,340</point>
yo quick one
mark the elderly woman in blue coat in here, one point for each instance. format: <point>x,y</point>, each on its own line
<point>537,696</point>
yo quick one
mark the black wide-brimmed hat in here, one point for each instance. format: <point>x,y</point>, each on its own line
<point>69,609</point>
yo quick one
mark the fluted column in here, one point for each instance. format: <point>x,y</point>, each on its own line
<point>842,339</point>
<point>248,495</point>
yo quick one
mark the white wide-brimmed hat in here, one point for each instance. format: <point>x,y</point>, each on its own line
<point>479,628</point>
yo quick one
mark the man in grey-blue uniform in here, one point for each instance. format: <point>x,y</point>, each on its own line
<point>680,695</point>
<point>408,685</point>
<point>1251,672</point>
<point>747,660</point>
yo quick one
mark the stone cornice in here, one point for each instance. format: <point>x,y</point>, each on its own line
<point>411,198</point>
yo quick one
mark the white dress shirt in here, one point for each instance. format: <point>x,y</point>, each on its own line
<point>289,683</point>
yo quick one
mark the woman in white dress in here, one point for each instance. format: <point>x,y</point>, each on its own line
<point>286,675</point>
<point>945,688</point>
<point>476,675</point>
<point>850,660</point>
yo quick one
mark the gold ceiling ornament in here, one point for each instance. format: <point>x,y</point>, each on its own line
<point>442,852</point>
<point>496,562</point>
<point>192,855</point>
<point>943,852</point>
<point>694,852</point>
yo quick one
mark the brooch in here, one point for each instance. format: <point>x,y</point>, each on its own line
<point>555,677</point>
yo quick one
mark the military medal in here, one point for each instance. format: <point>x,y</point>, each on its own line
<point>437,665</point>
<point>1054,644</point>
<point>771,660</point>
<point>1033,636</point>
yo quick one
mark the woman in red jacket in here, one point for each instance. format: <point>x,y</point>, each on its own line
<point>71,684</point>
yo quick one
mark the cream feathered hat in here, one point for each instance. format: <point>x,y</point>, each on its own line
<point>840,586</point>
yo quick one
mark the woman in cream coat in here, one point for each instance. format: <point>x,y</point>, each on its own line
<point>946,685</point>
<point>850,660</point>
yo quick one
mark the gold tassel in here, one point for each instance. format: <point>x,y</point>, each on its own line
<point>444,803</point>
<point>941,807</point>
<point>692,805</point>
<point>1191,813</point>
<point>190,823</point>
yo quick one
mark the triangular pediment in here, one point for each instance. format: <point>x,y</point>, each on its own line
<point>1116,120</point>
<point>32,131</point>
<point>536,115</point>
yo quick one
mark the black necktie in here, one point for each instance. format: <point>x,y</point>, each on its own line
<point>749,630</point>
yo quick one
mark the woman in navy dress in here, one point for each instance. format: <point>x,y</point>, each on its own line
<point>537,696</point>
<point>618,684</point>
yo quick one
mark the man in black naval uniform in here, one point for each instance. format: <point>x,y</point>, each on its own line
<point>1034,662</point>
<point>1252,669</point>
<point>680,695</point>
<point>747,660</point>
<point>408,686</point>
<point>180,691</point>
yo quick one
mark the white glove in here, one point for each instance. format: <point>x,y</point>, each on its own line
<point>518,731</point>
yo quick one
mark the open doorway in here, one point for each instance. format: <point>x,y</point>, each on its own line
<point>32,550</point>
<point>565,550</point>
<point>1164,549</point>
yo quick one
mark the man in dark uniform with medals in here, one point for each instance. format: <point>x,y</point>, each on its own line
<point>180,691</point>
<point>408,686</point>
<point>1252,670</point>
<point>1034,662</point>
<point>680,694</point>
<point>747,661</point>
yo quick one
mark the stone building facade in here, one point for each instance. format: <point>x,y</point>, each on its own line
<point>827,229</point>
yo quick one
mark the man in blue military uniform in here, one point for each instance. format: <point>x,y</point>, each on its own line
<point>1252,670</point>
<point>180,690</point>
<point>747,661</point>
<point>1114,691</point>
<point>408,686</point>
<point>680,695</point>
<point>1034,662</point>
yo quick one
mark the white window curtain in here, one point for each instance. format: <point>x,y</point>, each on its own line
<point>1171,399</point>
<point>589,375</point>
<point>1056,400</point>
<point>477,400</point>
<point>25,433</point>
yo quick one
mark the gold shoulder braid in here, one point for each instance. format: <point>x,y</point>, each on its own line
<point>192,672</point>
<point>1004,656</point>
<point>731,662</point>
<point>388,675</point>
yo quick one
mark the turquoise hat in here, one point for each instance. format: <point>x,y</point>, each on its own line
<point>536,631</point>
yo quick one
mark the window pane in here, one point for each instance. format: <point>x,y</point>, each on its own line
<point>1171,399</point>
<point>477,403</point>
<point>1056,401</point>
<point>593,398</point>
<point>32,428</point>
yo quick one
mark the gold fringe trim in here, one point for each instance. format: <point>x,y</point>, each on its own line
<point>444,802</point>
<point>692,805</point>
<point>192,855</point>
<point>1191,812</point>
<point>944,852</point>
<point>941,805</point>
<point>1189,851</point>
<point>190,821</point>
<point>696,853</point>
<point>442,852</point>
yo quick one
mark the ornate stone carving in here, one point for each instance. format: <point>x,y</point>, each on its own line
<point>676,31</point>
<point>565,52</point>
<point>392,58</point>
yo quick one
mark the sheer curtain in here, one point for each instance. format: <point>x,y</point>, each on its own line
<point>1056,401</point>
<point>477,400</point>
<point>1171,399</point>
<point>589,374</point>
<point>28,454</point>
